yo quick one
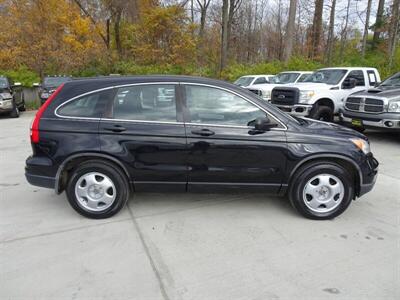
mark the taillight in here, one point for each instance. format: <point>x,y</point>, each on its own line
<point>35,137</point>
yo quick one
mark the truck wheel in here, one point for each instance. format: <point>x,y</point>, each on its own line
<point>321,190</point>
<point>97,189</point>
<point>15,111</point>
<point>322,113</point>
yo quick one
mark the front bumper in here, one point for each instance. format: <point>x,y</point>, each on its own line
<point>301,110</point>
<point>370,174</point>
<point>6,105</point>
<point>390,121</point>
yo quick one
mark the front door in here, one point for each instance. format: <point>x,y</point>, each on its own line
<point>224,151</point>
<point>143,130</point>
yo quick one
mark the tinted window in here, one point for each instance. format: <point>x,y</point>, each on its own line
<point>90,106</point>
<point>214,106</point>
<point>358,75</point>
<point>145,103</point>
<point>260,80</point>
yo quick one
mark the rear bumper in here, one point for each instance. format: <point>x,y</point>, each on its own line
<point>42,181</point>
<point>39,171</point>
<point>389,121</point>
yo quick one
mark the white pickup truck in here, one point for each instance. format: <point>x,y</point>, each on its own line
<point>283,78</point>
<point>320,96</point>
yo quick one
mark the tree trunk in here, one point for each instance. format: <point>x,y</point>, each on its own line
<point>393,31</point>
<point>331,36</point>
<point>378,22</point>
<point>224,35</point>
<point>288,48</point>
<point>365,35</point>
<point>117,33</point>
<point>317,28</point>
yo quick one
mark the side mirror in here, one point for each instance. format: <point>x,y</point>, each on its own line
<point>17,84</point>
<point>36,84</point>
<point>263,124</point>
<point>349,83</point>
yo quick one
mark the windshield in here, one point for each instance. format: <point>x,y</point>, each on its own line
<point>3,83</point>
<point>327,76</point>
<point>244,81</point>
<point>55,81</point>
<point>283,78</point>
<point>392,81</point>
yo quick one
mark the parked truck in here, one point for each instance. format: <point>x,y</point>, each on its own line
<point>377,108</point>
<point>320,96</point>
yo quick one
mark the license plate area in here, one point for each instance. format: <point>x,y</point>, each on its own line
<point>357,122</point>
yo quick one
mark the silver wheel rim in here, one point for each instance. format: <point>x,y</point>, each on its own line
<point>323,193</point>
<point>95,192</point>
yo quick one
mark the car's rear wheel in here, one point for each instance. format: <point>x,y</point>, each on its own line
<point>97,189</point>
<point>321,190</point>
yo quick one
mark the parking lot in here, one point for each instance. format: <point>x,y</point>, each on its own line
<point>195,246</point>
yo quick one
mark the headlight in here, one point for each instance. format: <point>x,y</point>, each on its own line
<point>306,95</point>
<point>361,144</point>
<point>266,95</point>
<point>394,106</point>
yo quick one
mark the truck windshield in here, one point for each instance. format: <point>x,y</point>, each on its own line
<point>3,83</point>
<point>244,81</point>
<point>326,76</point>
<point>55,81</point>
<point>283,78</point>
<point>392,81</point>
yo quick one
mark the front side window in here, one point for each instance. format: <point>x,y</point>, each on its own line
<point>260,80</point>
<point>218,107</point>
<point>358,75</point>
<point>145,103</point>
<point>89,106</point>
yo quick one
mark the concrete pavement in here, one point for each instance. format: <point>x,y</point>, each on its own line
<point>195,246</point>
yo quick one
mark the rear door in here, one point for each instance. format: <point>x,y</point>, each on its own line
<point>224,151</point>
<point>144,130</point>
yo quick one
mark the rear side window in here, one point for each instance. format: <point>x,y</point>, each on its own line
<point>89,106</point>
<point>371,77</point>
<point>145,103</point>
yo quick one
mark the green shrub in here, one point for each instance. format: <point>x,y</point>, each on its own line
<point>23,75</point>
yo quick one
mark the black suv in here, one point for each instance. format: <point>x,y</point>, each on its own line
<point>49,85</point>
<point>102,139</point>
<point>11,97</point>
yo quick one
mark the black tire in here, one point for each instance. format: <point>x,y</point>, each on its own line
<point>309,171</point>
<point>22,106</point>
<point>15,111</point>
<point>322,113</point>
<point>114,173</point>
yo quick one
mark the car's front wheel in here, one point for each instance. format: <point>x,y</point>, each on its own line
<point>321,190</point>
<point>15,111</point>
<point>97,189</point>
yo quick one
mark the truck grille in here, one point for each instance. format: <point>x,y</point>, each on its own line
<point>285,96</point>
<point>257,92</point>
<point>368,105</point>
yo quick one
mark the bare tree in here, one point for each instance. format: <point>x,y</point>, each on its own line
<point>344,31</point>
<point>366,27</point>
<point>317,28</point>
<point>379,21</point>
<point>290,30</point>
<point>331,34</point>
<point>203,4</point>
<point>224,34</point>
<point>393,30</point>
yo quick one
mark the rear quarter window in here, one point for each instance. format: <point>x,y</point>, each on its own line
<point>88,106</point>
